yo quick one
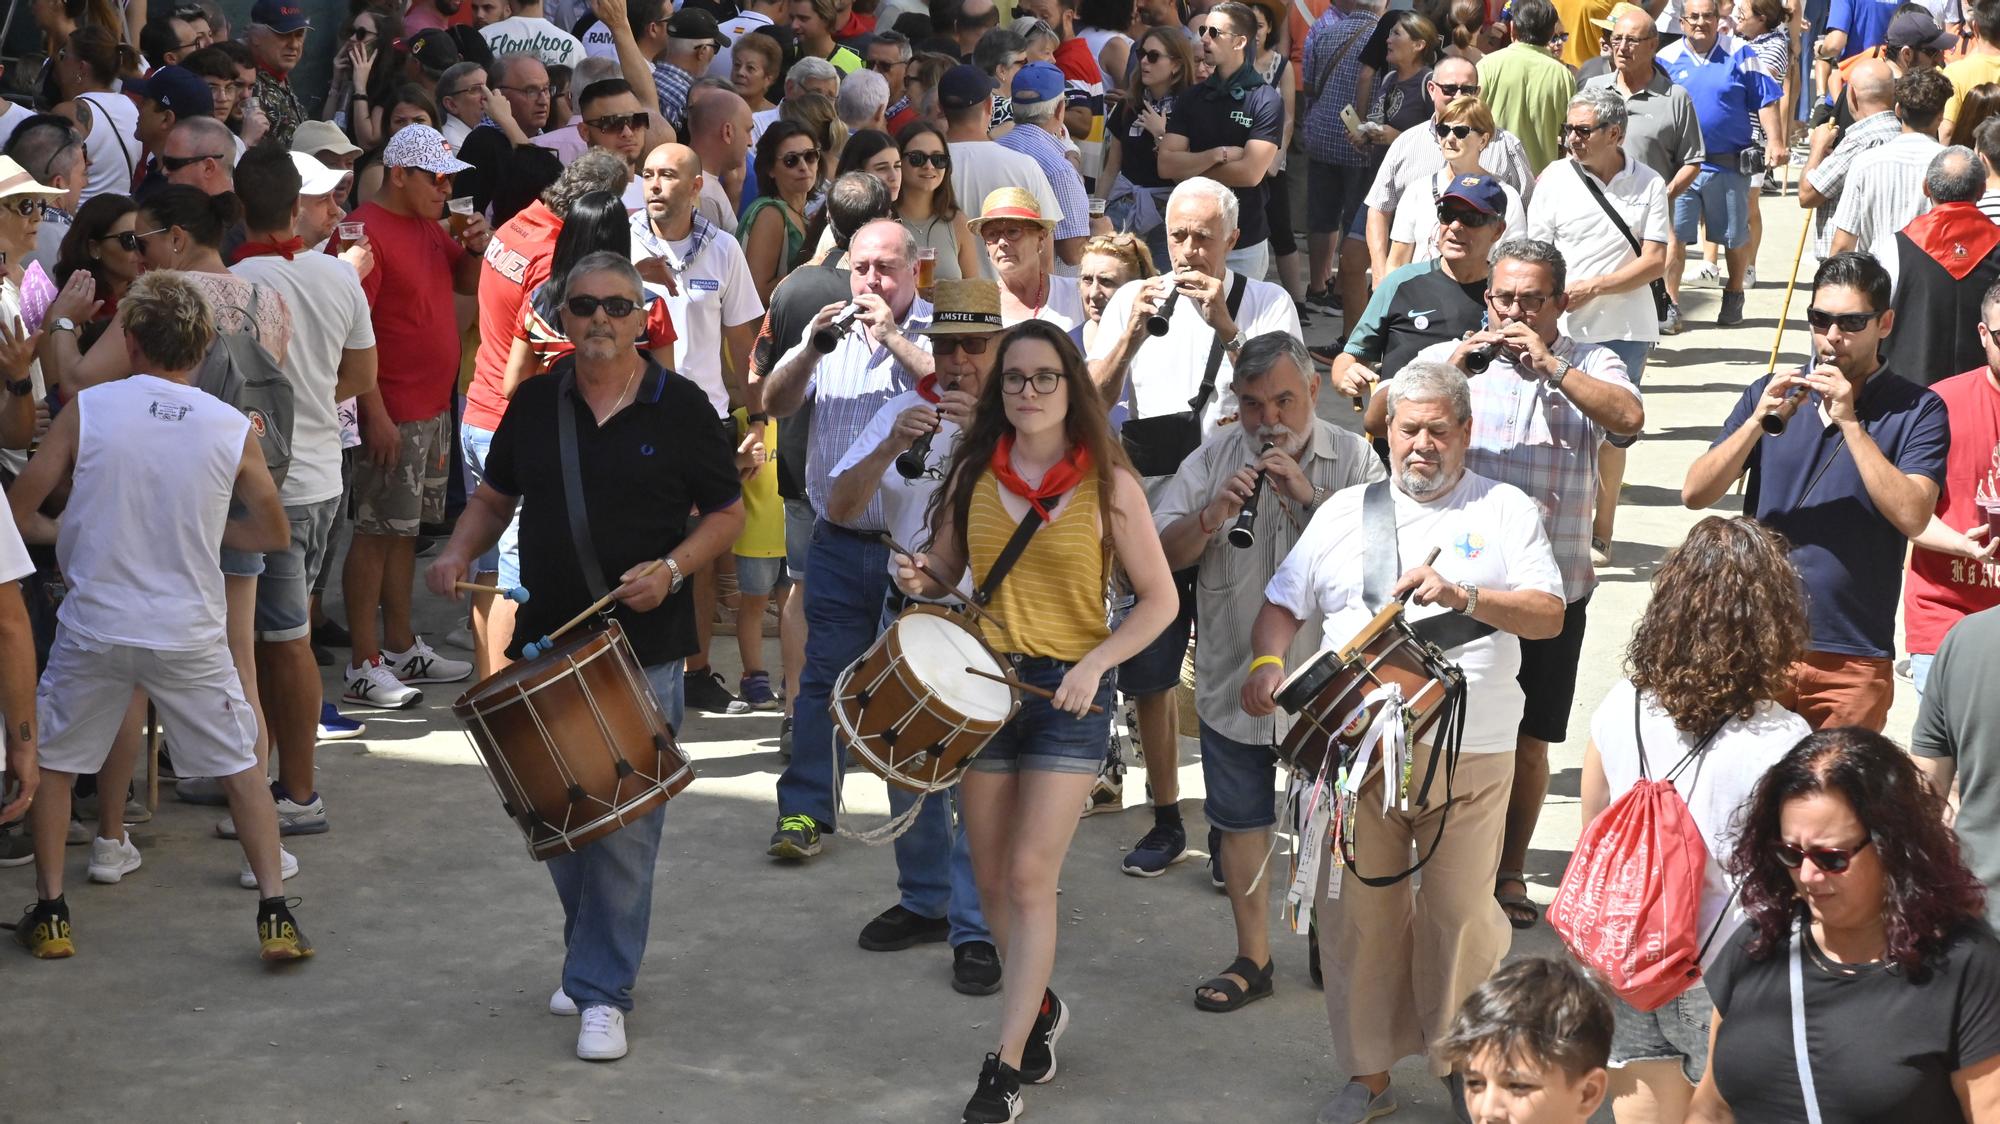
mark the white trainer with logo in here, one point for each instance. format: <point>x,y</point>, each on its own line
<point>375,684</point>
<point>602,1036</point>
<point>422,665</point>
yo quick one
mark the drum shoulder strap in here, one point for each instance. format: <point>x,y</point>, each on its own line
<point>572,474</point>
<point>1009,554</point>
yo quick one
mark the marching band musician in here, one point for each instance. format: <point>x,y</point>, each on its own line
<point>648,449</point>
<point>902,456</point>
<point>1408,957</point>
<point>1282,461</point>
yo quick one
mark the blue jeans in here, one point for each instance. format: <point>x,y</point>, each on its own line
<point>505,557</point>
<point>1632,353</point>
<point>607,890</point>
<point>1719,199</point>
<point>844,594</point>
<point>1920,670</point>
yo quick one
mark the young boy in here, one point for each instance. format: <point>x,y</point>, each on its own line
<point>1532,1042</point>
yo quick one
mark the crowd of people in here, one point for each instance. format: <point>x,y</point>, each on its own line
<point>788,320</point>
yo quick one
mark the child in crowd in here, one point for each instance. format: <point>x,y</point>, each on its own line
<point>1531,1044</point>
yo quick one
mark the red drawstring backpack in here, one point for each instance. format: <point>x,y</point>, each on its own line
<point>1630,901</point>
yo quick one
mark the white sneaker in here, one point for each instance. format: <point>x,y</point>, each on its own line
<point>288,865</point>
<point>375,684</point>
<point>602,1036</point>
<point>293,818</point>
<point>422,665</point>
<point>112,859</point>
<point>1750,277</point>
<point>561,1004</point>
<point>1701,275</point>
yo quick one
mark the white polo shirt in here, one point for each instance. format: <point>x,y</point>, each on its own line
<point>906,502</point>
<point>716,289</point>
<point>1566,214</point>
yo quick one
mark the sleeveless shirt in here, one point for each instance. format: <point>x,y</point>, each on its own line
<point>1052,601</point>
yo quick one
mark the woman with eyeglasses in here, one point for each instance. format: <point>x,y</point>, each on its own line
<point>597,222</point>
<point>1039,444</point>
<point>1864,937</point>
<point>928,207</point>
<point>411,107</point>
<point>1134,192</point>
<point>1018,241</point>
<point>1705,668</point>
<point>1463,129</point>
<point>85,70</point>
<point>103,242</point>
<point>773,226</point>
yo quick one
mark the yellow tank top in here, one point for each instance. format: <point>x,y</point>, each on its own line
<point>1052,601</point>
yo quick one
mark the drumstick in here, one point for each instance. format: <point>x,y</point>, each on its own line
<point>516,594</point>
<point>536,648</point>
<point>1432,557</point>
<point>1042,692</point>
<point>977,609</point>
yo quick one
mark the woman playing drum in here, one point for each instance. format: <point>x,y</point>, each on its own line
<point>1040,442</point>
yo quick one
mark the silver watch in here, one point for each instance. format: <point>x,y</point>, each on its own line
<point>1471,597</point>
<point>1563,368</point>
<point>674,573</point>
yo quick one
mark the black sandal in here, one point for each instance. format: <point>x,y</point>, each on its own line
<point>1235,996</point>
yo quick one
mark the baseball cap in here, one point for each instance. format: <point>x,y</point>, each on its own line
<point>175,88</point>
<point>322,136</point>
<point>696,25</point>
<point>282,16</point>
<point>1038,82</point>
<point>435,50</point>
<point>316,178</point>
<point>1918,29</point>
<point>964,85</point>
<point>1483,192</point>
<point>420,146</point>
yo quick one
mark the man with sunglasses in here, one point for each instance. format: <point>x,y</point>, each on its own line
<point>167,97</point>
<point>888,53</point>
<point>1853,475</point>
<point>647,452</point>
<point>612,120</point>
<point>1228,129</point>
<point>277,40</point>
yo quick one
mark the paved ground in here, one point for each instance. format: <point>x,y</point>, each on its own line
<point>439,940</point>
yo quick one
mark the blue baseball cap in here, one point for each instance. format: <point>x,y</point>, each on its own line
<point>1038,82</point>
<point>1483,192</point>
<point>281,16</point>
<point>175,88</point>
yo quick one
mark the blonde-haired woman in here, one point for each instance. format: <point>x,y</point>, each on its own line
<point>1463,130</point>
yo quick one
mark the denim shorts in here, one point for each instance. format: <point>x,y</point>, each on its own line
<point>1677,1032</point>
<point>1157,667</point>
<point>1242,781</point>
<point>1042,738</point>
<point>242,563</point>
<point>1721,201</point>
<point>799,522</point>
<point>1633,354</point>
<point>284,592</point>
<point>505,557</point>
<point>757,577</point>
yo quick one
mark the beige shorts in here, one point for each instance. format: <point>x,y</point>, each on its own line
<point>88,687</point>
<point>398,502</point>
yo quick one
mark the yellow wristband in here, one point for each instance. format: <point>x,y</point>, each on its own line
<point>1260,661</point>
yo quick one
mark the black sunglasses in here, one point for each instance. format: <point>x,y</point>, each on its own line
<point>1210,31</point>
<point>883,66</point>
<point>1848,321</point>
<point>1465,216</point>
<point>794,159</point>
<point>1833,860</point>
<point>1451,90</point>
<point>176,163</point>
<point>971,345</point>
<point>28,206</point>
<point>939,160</point>
<point>127,240</point>
<point>1582,131</point>
<point>618,308</point>
<point>1154,56</point>
<point>616,122</point>
<point>1459,131</point>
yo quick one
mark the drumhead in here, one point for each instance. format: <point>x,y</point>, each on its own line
<point>937,651</point>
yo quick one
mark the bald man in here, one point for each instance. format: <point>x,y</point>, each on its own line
<point>1871,94</point>
<point>719,125</point>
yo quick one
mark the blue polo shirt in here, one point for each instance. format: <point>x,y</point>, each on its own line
<point>1727,86</point>
<point>1805,485</point>
<point>1866,23</point>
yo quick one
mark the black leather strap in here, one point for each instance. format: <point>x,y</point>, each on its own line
<point>1200,400</point>
<point>1009,554</point>
<point>579,513</point>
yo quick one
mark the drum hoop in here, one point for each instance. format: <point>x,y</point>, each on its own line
<point>958,620</point>
<point>861,746</point>
<point>573,667</point>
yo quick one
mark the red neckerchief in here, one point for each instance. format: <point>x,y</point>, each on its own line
<point>1953,235</point>
<point>928,391</point>
<point>1061,476</point>
<point>283,249</point>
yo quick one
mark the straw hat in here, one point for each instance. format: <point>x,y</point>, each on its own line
<point>965,307</point>
<point>1610,19</point>
<point>1014,204</point>
<point>15,180</point>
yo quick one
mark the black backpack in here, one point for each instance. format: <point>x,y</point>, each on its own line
<point>240,372</point>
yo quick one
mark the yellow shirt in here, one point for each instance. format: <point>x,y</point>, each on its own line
<point>1052,601</point>
<point>1586,39</point>
<point>763,534</point>
<point>1970,71</point>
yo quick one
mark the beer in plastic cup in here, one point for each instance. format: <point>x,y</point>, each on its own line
<point>926,268</point>
<point>461,215</point>
<point>347,234</point>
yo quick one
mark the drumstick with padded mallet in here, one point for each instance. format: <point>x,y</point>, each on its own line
<point>1043,692</point>
<point>518,594</point>
<point>535,649</point>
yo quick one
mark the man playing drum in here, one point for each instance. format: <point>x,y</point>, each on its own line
<point>648,449</point>
<point>1408,957</point>
<point>901,456</point>
<point>1282,460</point>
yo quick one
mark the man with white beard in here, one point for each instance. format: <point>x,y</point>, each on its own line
<point>1301,460</point>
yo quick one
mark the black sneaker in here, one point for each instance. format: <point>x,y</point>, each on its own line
<point>17,845</point>
<point>975,968</point>
<point>797,837</point>
<point>1162,847</point>
<point>44,930</point>
<point>997,1098</point>
<point>1038,1057</point>
<point>705,691</point>
<point>785,738</point>
<point>278,932</point>
<point>330,635</point>
<point>896,928</point>
<point>1732,308</point>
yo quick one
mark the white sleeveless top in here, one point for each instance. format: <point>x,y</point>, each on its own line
<point>113,145</point>
<point>138,540</point>
<point>1097,37</point>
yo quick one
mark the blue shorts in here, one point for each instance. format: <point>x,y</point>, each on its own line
<point>1721,201</point>
<point>284,592</point>
<point>242,563</point>
<point>1242,781</point>
<point>798,537</point>
<point>757,577</point>
<point>1157,667</point>
<point>505,557</point>
<point>1633,354</point>
<point>1044,739</point>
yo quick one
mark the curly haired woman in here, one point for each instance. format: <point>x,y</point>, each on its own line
<point>1708,658</point>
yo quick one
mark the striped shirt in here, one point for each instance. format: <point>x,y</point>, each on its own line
<point>1038,144</point>
<point>1531,436</point>
<point>1829,176</point>
<point>1989,205</point>
<point>1052,602</point>
<point>848,387</point>
<point>1885,190</point>
<point>1333,35</point>
<point>672,84</point>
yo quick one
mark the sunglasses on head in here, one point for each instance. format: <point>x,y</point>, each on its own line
<point>1459,131</point>
<point>1451,90</point>
<point>129,241</point>
<point>1832,860</point>
<point>618,122</point>
<point>971,345</point>
<point>1848,321</point>
<point>176,163</point>
<point>794,159</point>
<point>618,308</point>
<point>939,160</point>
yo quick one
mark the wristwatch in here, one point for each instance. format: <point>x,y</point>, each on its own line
<point>1235,344</point>
<point>62,324</point>
<point>1555,379</point>
<point>20,388</point>
<point>674,572</point>
<point>1471,597</point>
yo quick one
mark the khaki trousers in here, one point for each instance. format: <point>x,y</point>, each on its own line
<point>1398,960</point>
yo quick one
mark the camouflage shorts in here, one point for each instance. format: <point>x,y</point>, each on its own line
<point>397,502</point>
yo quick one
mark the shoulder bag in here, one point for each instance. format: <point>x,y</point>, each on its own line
<point>1659,286</point>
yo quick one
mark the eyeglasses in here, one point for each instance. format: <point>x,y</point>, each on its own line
<point>1582,132</point>
<point>127,240</point>
<point>532,93</point>
<point>794,159</point>
<point>1154,56</point>
<point>1848,321</point>
<point>939,160</point>
<point>884,66</point>
<point>1526,302</point>
<point>176,163</point>
<point>619,122</point>
<point>27,206</point>
<point>1014,382</point>
<point>1459,131</point>
<point>618,308</point>
<point>1210,31</point>
<point>1453,90</point>
<point>1467,216</point>
<point>1832,860</point>
<point>971,345</point>
<point>139,240</point>
<point>1629,40</point>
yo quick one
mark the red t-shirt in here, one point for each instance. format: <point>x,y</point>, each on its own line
<point>416,319</point>
<point>517,260</point>
<point>858,24</point>
<point>1942,588</point>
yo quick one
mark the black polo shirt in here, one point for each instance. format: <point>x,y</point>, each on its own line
<point>1415,307</point>
<point>1231,113</point>
<point>643,471</point>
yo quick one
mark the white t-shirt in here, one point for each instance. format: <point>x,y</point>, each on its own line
<point>455,132</point>
<point>533,35</point>
<point>11,115</point>
<point>597,41</point>
<point>1416,216</point>
<point>714,204</point>
<point>329,317</point>
<point>716,289</point>
<point>1714,786</point>
<point>905,503</point>
<point>1064,305</point>
<point>1491,535</point>
<point>744,24</point>
<point>1565,213</point>
<point>979,168</point>
<point>634,197</point>
<point>760,121</point>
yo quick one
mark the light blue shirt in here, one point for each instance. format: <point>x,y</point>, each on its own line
<point>1041,146</point>
<point>848,388</point>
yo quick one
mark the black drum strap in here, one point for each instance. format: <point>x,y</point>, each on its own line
<point>1009,554</point>
<point>572,474</point>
